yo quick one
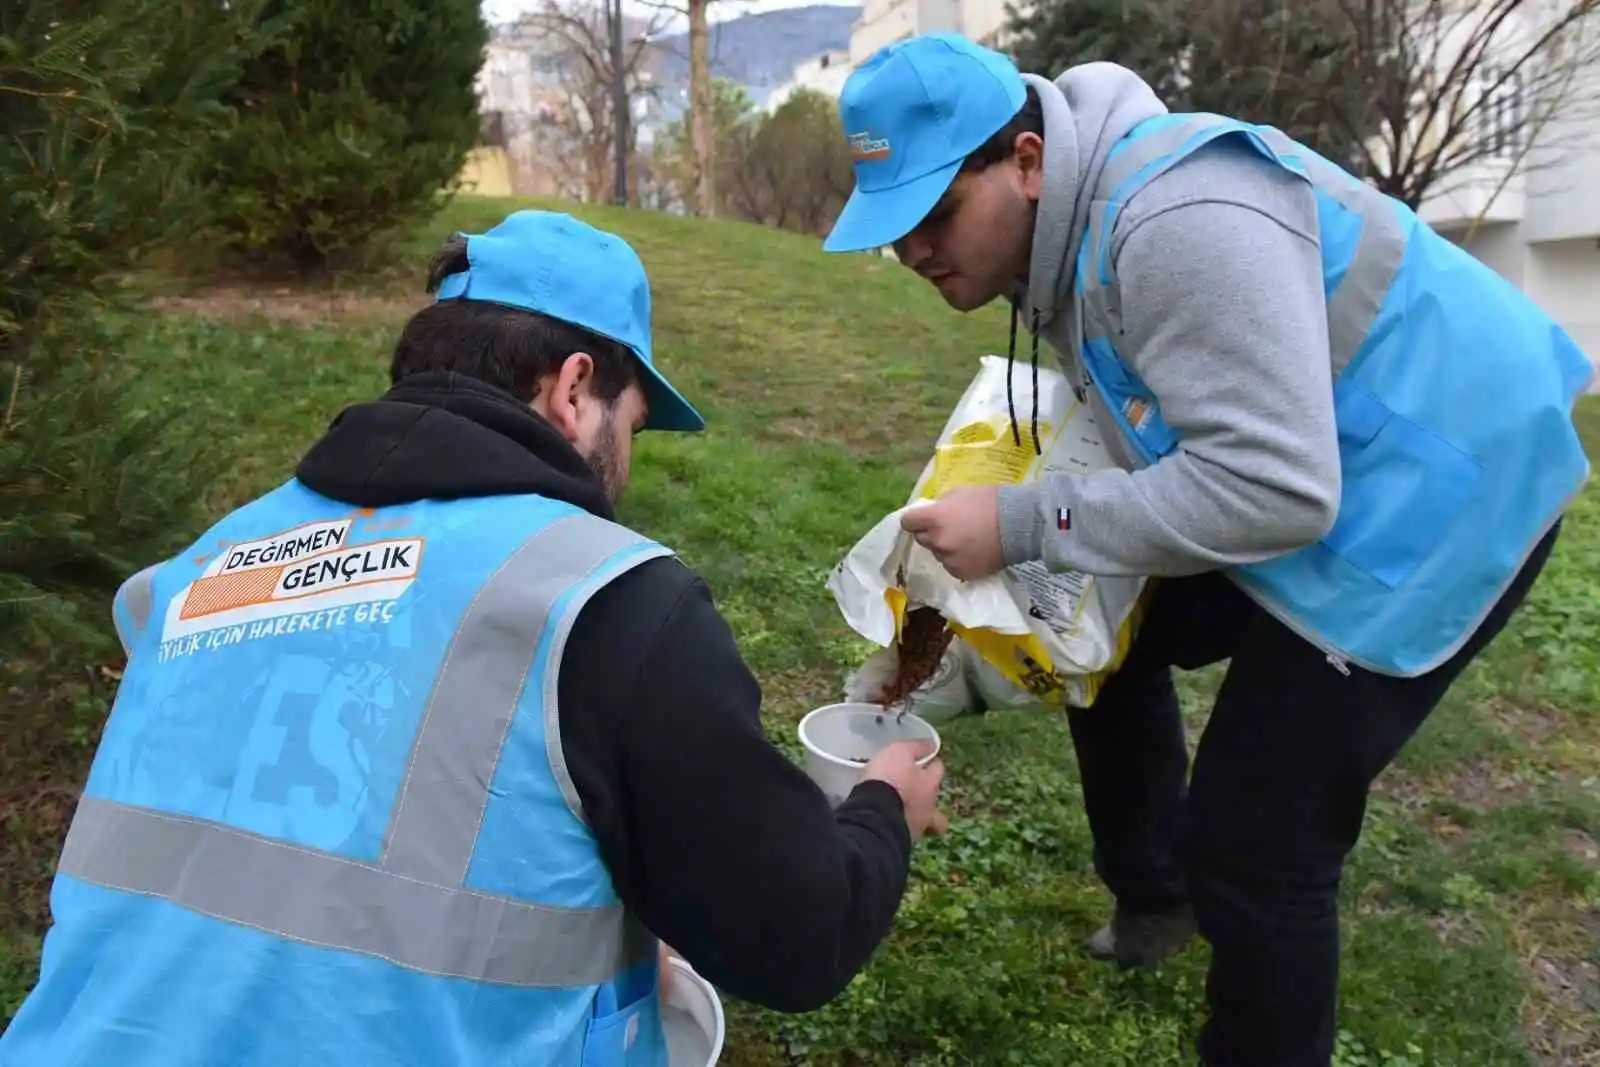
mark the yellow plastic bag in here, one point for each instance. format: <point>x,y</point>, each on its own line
<point>1057,635</point>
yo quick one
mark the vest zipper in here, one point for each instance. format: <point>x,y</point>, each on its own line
<point>1337,658</point>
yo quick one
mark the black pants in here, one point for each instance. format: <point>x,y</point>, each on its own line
<point>1257,841</point>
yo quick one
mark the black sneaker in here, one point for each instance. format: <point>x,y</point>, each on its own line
<point>1142,940</point>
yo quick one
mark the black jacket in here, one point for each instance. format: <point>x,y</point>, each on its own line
<point>713,837</point>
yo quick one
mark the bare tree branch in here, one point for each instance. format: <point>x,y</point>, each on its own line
<point>1416,93</point>
<point>702,136</point>
<point>581,134</point>
<point>675,9</point>
<point>1475,83</point>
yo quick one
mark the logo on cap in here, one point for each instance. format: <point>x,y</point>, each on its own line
<point>863,147</point>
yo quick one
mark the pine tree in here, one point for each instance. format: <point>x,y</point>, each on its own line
<point>107,106</point>
<point>349,128</point>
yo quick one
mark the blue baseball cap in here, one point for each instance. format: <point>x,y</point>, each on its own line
<point>913,113</point>
<point>556,265</point>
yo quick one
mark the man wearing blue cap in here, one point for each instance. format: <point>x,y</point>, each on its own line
<point>417,755</point>
<point>1343,447</point>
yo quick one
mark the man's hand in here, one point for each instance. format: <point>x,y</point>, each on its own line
<point>962,530</point>
<point>918,786</point>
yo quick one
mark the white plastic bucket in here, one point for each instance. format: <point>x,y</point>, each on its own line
<point>691,1016</point>
<point>839,739</point>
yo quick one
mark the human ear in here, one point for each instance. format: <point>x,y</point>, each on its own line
<point>568,395</point>
<point>1029,155</point>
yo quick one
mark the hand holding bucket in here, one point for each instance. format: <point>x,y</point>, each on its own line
<point>849,743</point>
<point>691,1014</point>
<point>916,772</point>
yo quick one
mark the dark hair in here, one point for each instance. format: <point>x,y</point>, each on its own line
<point>506,347</point>
<point>1003,145</point>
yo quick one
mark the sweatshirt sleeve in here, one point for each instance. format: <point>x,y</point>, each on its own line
<point>714,838</point>
<point>1226,323</point>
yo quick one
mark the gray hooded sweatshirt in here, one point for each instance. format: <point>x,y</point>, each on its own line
<point>1225,322</point>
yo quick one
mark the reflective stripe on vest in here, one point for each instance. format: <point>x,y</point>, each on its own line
<point>411,907</point>
<point>1354,304</point>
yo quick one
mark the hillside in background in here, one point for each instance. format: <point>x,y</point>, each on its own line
<point>760,51</point>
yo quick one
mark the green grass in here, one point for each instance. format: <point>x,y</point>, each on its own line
<point>1472,905</point>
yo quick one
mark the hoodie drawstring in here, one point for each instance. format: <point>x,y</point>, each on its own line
<point>1034,329</point>
<point>1011,362</point>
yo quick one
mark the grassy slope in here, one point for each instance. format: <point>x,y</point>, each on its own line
<point>1473,903</point>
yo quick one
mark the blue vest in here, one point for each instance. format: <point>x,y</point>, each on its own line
<point>330,821</point>
<point>1453,398</point>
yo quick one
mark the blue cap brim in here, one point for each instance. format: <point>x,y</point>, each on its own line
<point>883,216</point>
<point>668,409</point>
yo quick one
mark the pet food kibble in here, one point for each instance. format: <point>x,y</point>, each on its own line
<point>923,641</point>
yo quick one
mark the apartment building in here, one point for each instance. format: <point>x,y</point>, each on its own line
<point>537,93</point>
<point>520,97</point>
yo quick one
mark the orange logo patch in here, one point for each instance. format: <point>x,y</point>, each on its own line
<point>863,147</point>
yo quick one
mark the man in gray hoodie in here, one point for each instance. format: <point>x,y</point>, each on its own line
<point>1274,538</point>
